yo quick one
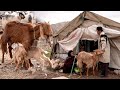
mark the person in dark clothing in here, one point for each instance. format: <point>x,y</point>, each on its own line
<point>69,62</point>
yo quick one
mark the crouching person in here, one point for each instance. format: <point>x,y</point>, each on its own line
<point>68,64</point>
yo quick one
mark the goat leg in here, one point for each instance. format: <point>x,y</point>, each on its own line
<point>27,63</point>
<point>10,51</point>
<point>87,72</point>
<point>94,70</point>
<point>31,65</point>
<point>97,67</point>
<point>80,74</point>
<point>22,63</point>
<point>17,66</point>
<point>3,57</point>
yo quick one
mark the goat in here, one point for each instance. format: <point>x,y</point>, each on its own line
<point>21,56</point>
<point>90,59</point>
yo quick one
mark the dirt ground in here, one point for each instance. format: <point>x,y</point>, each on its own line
<point>7,72</point>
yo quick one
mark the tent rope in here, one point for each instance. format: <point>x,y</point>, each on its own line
<point>59,50</point>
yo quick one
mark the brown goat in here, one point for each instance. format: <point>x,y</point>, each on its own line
<point>16,32</point>
<point>20,56</point>
<point>90,59</point>
<point>38,54</point>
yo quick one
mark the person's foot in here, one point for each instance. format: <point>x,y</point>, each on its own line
<point>106,75</point>
<point>102,75</point>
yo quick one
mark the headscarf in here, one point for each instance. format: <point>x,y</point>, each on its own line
<point>69,53</point>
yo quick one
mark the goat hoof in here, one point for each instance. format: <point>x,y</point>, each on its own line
<point>31,65</point>
<point>87,77</point>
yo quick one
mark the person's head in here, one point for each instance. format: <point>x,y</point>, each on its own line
<point>21,15</point>
<point>70,53</point>
<point>99,30</point>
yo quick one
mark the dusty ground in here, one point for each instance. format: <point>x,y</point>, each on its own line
<point>7,72</point>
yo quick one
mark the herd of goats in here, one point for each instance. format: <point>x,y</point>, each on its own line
<point>18,38</point>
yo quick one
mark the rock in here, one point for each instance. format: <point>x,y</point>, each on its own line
<point>61,70</point>
<point>61,77</point>
<point>117,72</point>
<point>33,70</point>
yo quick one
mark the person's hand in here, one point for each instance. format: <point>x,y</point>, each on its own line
<point>75,56</point>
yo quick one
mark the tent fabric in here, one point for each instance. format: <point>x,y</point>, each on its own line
<point>69,27</point>
<point>71,41</point>
<point>79,20</point>
<point>90,33</point>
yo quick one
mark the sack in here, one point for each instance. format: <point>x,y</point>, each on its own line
<point>77,70</point>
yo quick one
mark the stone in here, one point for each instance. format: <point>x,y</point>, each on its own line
<point>61,77</point>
